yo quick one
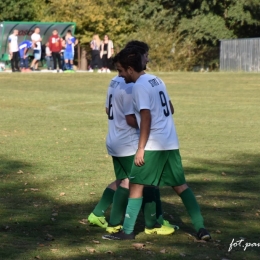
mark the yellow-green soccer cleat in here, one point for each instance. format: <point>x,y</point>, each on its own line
<point>115,229</point>
<point>168,224</point>
<point>160,230</point>
<point>97,221</point>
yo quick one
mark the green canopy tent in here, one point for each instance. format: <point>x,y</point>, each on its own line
<point>26,29</point>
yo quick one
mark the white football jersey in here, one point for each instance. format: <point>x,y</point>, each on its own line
<point>149,92</point>
<point>35,38</point>
<point>122,139</point>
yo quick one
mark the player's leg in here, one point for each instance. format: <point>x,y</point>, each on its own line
<point>174,175</point>
<point>159,211</point>
<point>66,59</point>
<point>97,215</point>
<point>148,174</point>
<point>122,169</point>
<point>54,60</point>
<point>59,61</point>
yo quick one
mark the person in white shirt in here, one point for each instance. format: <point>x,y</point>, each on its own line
<point>37,51</point>
<point>157,161</point>
<point>13,50</point>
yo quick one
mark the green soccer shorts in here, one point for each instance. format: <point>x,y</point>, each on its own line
<point>161,168</point>
<point>123,166</point>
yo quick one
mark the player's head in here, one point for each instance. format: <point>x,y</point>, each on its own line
<point>69,32</point>
<point>106,37</point>
<point>15,32</point>
<point>129,62</point>
<point>55,32</point>
<point>144,50</point>
<point>37,30</point>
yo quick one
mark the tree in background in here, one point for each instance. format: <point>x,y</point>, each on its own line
<point>181,34</point>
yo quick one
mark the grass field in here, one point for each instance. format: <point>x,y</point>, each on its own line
<point>54,167</point>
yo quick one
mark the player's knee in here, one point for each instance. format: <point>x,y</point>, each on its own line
<point>180,189</point>
<point>125,183</point>
<point>114,185</point>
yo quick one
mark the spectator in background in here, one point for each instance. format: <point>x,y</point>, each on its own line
<point>23,50</point>
<point>48,56</point>
<point>106,52</point>
<point>36,38</point>
<point>14,51</point>
<point>55,44</point>
<point>95,54</point>
<point>70,43</point>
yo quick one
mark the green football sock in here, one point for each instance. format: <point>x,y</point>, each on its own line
<point>158,201</point>
<point>119,205</point>
<point>105,201</point>
<point>132,210</point>
<point>149,206</point>
<point>193,208</point>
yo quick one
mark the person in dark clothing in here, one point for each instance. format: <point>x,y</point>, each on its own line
<point>55,45</point>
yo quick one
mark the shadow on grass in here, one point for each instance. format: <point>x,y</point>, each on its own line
<point>37,226</point>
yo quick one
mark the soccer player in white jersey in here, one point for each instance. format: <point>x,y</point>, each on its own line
<point>157,160</point>
<point>122,141</point>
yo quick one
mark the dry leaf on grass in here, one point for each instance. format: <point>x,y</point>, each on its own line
<point>91,250</point>
<point>163,251</point>
<point>41,245</point>
<point>138,246</point>
<point>218,231</point>
<point>20,172</point>
<point>148,242</point>
<point>109,252</point>
<point>33,189</point>
<point>95,241</point>
<point>223,173</point>
<point>92,193</point>
<point>62,193</point>
<point>54,249</point>
<point>199,241</point>
<point>37,257</point>
<point>182,254</point>
<point>54,214</point>
<point>83,221</point>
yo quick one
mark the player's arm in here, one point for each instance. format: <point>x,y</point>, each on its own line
<point>145,126</point>
<point>171,107</point>
<point>131,120</point>
<point>76,42</point>
<point>9,46</point>
<point>106,110</point>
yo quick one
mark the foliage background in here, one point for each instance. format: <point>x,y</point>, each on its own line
<point>181,34</point>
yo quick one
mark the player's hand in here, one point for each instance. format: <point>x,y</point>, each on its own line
<point>139,157</point>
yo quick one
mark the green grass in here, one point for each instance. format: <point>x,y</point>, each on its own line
<point>52,141</point>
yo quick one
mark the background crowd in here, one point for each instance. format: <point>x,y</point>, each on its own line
<point>101,54</point>
<point>57,52</point>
